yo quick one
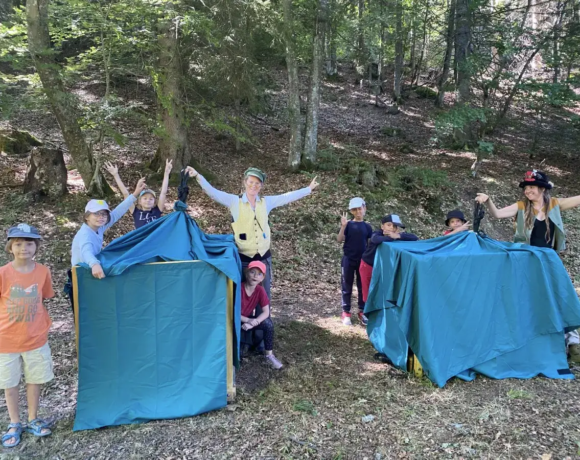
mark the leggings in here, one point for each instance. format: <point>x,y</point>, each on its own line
<point>268,327</point>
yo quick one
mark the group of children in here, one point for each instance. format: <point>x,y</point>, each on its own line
<point>360,247</point>
<point>25,284</point>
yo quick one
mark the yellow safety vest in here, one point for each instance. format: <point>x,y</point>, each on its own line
<point>251,230</point>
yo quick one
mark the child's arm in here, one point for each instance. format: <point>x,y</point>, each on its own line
<point>47,291</point>
<point>89,258</point>
<point>408,237</point>
<point>114,171</point>
<point>343,223</point>
<point>118,212</point>
<point>165,185</point>
<point>463,228</point>
<point>378,239</point>
<point>253,322</point>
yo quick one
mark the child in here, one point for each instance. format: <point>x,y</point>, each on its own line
<point>390,231</point>
<point>355,234</point>
<point>457,223</point>
<point>24,325</point>
<point>145,211</point>
<point>253,295</point>
<point>88,241</point>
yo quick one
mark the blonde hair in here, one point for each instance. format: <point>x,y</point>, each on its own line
<point>530,215</point>
<point>8,247</point>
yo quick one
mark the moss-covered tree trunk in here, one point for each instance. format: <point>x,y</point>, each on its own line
<point>311,135</point>
<point>449,37</point>
<point>174,143</point>
<point>295,122</point>
<point>64,105</point>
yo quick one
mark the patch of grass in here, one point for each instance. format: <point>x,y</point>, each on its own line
<point>519,394</point>
<point>424,92</point>
<point>302,405</point>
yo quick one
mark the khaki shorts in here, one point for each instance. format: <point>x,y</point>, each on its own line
<point>37,367</point>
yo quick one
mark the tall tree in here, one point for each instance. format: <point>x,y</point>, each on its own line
<point>462,50</point>
<point>63,104</point>
<point>173,144</point>
<point>449,38</point>
<point>311,134</point>
<point>295,148</point>
<point>399,51</point>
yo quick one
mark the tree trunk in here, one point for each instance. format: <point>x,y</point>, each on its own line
<point>64,105</point>
<point>46,175</point>
<point>361,47</point>
<point>398,51</point>
<point>311,134</point>
<point>173,144</point>
<point>330,42</point>
<point>463,42</point>
<point>448,52</point>
<point>295,147</point>
<point>556,45</point>
<point>423,46</point>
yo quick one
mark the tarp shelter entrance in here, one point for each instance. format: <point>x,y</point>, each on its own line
<point>158,337</point>
<point>467,304</point>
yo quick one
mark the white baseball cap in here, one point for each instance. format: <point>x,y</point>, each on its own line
<point>356,202</point>
<point>96,206</point>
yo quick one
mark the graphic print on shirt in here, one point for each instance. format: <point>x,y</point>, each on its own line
<point>22,303</point>
<point>146,216</point>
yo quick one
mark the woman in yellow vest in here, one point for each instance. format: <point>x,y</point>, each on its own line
<point>539,223</point>
<point>250,215</point>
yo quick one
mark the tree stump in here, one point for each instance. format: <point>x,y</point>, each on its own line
<point>46,174</point>
<point>14,142</point>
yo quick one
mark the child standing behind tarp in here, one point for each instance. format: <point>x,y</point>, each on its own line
<point>24,325</point>
<point>390,231</point>
<point>456,222</point>
<point>145,210</point>
<point>355,233</point>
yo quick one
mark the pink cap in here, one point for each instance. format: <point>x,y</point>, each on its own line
<point>259,265</point>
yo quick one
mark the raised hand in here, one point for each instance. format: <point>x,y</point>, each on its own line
<point>191,171</point>
<point>113,170</point>
<point>314,184</point>
<point>141,185</point>
<point>481,198</point>
<point>343,220</point>
<point>168,167</point>
<point>97,271</point>
<point>464,227</point>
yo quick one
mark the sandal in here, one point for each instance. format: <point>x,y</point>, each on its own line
<point>36,426</point>
<point>16,435</point>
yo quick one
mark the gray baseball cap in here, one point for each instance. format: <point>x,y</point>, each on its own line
<point>23,231</point>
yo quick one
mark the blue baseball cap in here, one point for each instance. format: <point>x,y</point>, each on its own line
<point>356,202</point>
<point>394,219</point>
<point>23,231</point>
<point>147,190</point>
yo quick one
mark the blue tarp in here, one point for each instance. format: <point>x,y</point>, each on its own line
<point>466,303</point>
<point>152,337</point>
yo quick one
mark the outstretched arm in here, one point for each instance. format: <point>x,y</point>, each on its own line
<point>227,199</point>
<point>276,201</point>
<point>120,210</point>
<point>114,171</point>
<point>165,185</point>
<point>569,203</point>
<point>503,213</point>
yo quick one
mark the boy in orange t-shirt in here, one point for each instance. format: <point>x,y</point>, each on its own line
<point>24,325</point>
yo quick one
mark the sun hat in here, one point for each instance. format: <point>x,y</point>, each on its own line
<point>394,219</point>
<point>455,214</point>
<point>256,173</point>
<point>537,178</point>
<point>259,265</point>
<point>356,202</point>
<point>23,231</point>
<point>96,206</point>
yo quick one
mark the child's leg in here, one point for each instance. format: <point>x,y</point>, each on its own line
<point>12,404</point>
<point>37,370</point>
<point>10,370</point>
<point>268,327</point>
<point>346,279</point>
<point>366,273</point>
<point>361,302</point>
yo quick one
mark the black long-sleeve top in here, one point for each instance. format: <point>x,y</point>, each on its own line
<point>377,238</point>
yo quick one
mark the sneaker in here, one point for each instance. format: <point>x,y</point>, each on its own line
<point>362,318</point>
<point>346,319</point>
<point>574,352</point>
<point>274,361</point>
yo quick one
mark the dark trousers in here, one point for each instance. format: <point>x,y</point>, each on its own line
<point>68,290</point>
<point>267,327</point>
<point>348,270</point>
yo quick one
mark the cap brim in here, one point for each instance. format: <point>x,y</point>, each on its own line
<point>25,235</point>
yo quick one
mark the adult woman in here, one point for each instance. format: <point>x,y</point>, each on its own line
<point>250,215</point>
<point>539,223</point>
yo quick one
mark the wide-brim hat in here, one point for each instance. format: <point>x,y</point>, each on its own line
<point>394,219</point>
<point>455,214</point>
<point>24,231</point>
<point>96,206</point>
<point>256,173</point>
<point>537,178</point>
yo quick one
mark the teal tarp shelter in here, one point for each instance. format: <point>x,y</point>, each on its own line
<point>158,337</point>
<point>467,304</point>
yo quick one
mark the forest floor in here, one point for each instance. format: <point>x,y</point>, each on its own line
<point>317,406</point>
